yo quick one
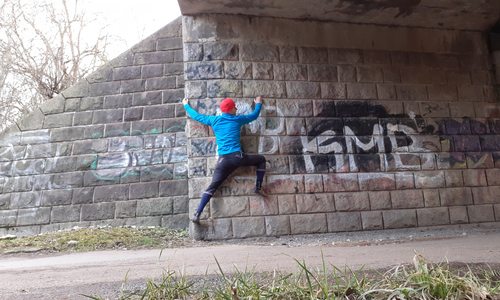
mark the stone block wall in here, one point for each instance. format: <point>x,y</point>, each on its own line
<point>364,127</point>
<point>110,150</point>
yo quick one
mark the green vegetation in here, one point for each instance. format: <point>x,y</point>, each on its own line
<point>422,280</point>
<point>100,238</point>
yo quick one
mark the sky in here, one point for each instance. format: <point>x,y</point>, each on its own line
<point>133,20</point>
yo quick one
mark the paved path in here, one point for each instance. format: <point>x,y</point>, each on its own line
<point>64,276</point>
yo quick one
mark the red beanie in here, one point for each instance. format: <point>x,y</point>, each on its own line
<point>227,105</point>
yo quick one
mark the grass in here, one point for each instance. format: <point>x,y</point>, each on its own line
<point>422,280</point>
<point>99,238</point>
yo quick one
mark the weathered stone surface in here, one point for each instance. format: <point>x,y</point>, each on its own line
<point>380,200</point>
<point>263,206</point>
<point>344,221</point>
<point>287,204</point>
<point>399,218</point>
<point>180,221</point>
<point>125,209</point>
<point>433,216</point>
<point>33,121</point>
<point>154,207</point>
<point>372,220</point>
<point>144,190</point>
<point>308,223</point>
<point>277,225</point>
<point>57,197</point>
<point>455,196</point>
<point>8,218</point>
<point>111,193</point>
<point>480,213</point>
<point>25,200</point>
<point>60,214</point>
<point>407,199</point>
<point>352,201</point>
<point>83,195</point>
<point>100,211</point>
<point>33,216</point>
<point>315,203</point>
<point>486,195</point>
<point>458,215</point>
<point>340,182</point>
<point>430,179</point>
<point>431,198</point>
<point>285,184</point>
<point>376,181</point>
<point>474,178</point>
<point>249,227</point>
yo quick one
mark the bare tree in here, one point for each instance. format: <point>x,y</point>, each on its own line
<point>43,50</point>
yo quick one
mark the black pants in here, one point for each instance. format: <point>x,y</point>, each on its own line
<point>227,163</point>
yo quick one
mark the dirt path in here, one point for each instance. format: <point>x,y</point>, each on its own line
<point>66,275</point>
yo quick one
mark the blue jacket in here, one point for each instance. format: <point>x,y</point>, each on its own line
<point>227,128</point>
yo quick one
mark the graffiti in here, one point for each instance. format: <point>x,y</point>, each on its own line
<point>393,142</point>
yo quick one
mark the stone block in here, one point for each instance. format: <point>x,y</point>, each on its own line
<point>238,70</point>
<point>63,214</point>
<point>480,213</point>
<point>262,71</point>
<point>372,220</point>
<point>458,215</point>
<point>82,118</point>
<point>493,176</point>
<point>411,92</point>
<point>147,98</point>
<point>57,197</point>
<point>91,103</point>
<point>99,211</point>
<point>117,101</point>
<point>474,177</point>
<point>333,90</point>
<point>147,127</point>
<point>229,207</point>
<point>25,200</point>
<point>118,129</point>
<point>160,83</point>
<point>173,96</point>
<point>455,196</point>
<point>125,209</point>
<point>433,216</point>
<point>108,116</point>
<point>89,146</point>
<point>82,195</point>
<point>290,72</point>
<point>254,53</point>
<point>313,183</point>
<point>345,56</point>
<point>322,73</point>
<point>133,86</point>
<point>127,73</point>
<point>386,91</point>
<point>277,225</point>
<point>180,204</point>
<point>8,218</point>
<point>149,71</point>
<point>204,70</point>
<point>32,121</point>
<point>197,186</point>
<point>308,223</point>
<point>58,120</point>
<point>169,43</point>
<point>159,112</point>
<point>193,52</point>
<point>151,58</point>
<point>369,74</point>
<point>111,193</point>
<point>4,201</point>
<point>224,88</point>
<point>61,181</point>
<point>429,179</point>
<point>399,218</point>
<point>129,143</point>
<point>180,221</point>
<point>351,201</point>
<point>431,198</point>
<point>249,227</point>
<point>144,190</point>
<point>287,205</point>
<point>263,206</point>
<point>28,167</point>
<point>303,90</point>
<point>156,173</point>
<point>453,178</point>
<point>154,207</point>
<point>104,88</point>
<point>78,90</point>
<point>496,208</point>
<point>344,221</point>
<point>285,184</point>
<point>376,181</point>
<point>404,181</point>
<point>33,216</point>
<point>486,195</point>
<point>340,182</point>
<point>442,93</point>
<point>53,106</point>
<point>361,91</point>
<point>376,57</point>
<point>407,199</point>
<point>270,89</point>
<point>219,229</point>
<point>380,200</point>
<point>315,203</point>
